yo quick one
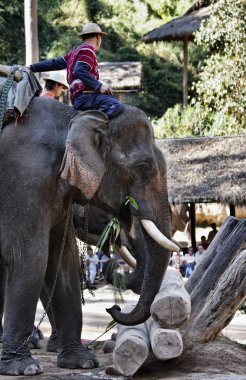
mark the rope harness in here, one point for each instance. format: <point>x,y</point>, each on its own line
<point>4,94</point>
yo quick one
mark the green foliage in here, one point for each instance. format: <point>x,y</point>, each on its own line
<point>111,231</point>
<point>242,308</point>
<point>177,122</point>
<point>12,37</point>
<point>131,201</point>
<point>221,94</point>
<point>126,21</point>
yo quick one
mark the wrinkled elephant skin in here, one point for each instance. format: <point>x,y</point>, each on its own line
<point>54,157</point>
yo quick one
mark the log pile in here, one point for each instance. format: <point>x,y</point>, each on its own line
<point>170,310</point>
<point>183,316</point>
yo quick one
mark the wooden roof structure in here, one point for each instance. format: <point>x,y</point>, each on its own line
<point>180,27</point>
<point>121,75</point>
<point>206,169</point>
<point>118,75</point>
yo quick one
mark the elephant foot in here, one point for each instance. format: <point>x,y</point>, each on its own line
<point>40,334</point>
<point>18,366</point>
<point>33,342</point>
<point>53,344</point>
<point>79,358</point>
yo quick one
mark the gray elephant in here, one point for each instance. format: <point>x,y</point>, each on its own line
<point>53,157</point>
<point>88,231</point>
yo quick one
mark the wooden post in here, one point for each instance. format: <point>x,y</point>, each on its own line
<point>185,71</point>
<point>232,209</point>
<point>193,224</point>
<point>31,31</point>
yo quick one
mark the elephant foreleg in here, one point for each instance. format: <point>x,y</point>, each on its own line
<point>66,302</point>
<point>25,278</point>
<point>2,292</point>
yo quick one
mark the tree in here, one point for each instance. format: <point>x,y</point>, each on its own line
<point>31,31</point>
<point>12,42</point>
<point>221,94</point>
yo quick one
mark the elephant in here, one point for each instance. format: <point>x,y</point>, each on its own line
<point>53,157</point>
<point>96,221</point>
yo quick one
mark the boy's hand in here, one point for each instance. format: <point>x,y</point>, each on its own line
<point>105,90</point>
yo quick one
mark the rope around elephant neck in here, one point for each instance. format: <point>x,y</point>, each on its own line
<point>53,287</point>
<point>4,94</point>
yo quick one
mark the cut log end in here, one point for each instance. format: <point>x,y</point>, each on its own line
<point>166,344</point>
<point>171,311</point>
<point>129,355</point>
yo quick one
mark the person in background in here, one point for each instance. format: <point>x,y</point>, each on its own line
<point>55,83</point>
<point>189,262</point>
<point>102,260</point>
<point>204,242</point>
<point>178,263</point>
<point>212,233</point>
<point>199,254</point>
<point>93,261</point>
<point>82,74</point>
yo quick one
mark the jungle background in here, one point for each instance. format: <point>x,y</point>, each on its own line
<point>216,58</point>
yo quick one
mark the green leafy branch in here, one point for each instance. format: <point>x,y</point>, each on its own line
<point>112,230</point>
<point>131,200</point>
<point>99,344</point>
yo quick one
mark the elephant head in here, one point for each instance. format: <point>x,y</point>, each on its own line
<point>110,161</point>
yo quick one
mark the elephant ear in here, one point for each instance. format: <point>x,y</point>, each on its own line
<point>83,163</point>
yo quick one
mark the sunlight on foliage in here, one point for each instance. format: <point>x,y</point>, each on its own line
<point>221,93</point>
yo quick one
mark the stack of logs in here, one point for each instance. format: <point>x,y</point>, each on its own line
<point>161,332</point>
<point>183,316</point>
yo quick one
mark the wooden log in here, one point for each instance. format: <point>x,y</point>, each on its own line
<point>228,239</point>
<point>132,347</point>
<point>171,307</point>
<point>221,305</point>
<point>166,343</point>
<point>4,71</point>
<point>222,287</point>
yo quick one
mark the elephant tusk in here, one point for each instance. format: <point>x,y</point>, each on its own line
<point>126,256</point>
<point>156,235</point>
<point>177,243</point>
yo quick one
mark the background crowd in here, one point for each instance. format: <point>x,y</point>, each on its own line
<point>190,258</point>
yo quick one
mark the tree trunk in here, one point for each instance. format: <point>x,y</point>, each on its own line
<point>218,285</point>
<point>31,32</point>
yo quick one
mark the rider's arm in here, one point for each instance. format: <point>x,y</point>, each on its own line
<point>49,65</point>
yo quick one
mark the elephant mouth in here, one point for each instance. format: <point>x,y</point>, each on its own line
<point>151,229</point>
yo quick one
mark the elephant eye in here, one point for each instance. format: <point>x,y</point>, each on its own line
<point>142,169</point>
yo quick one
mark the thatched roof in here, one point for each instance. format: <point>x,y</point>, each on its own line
<point>206,169</point>
<point>118,75</point>
<point>180,27</point>
<point>121,75</point>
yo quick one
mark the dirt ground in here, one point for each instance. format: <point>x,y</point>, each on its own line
<point>222,359</point>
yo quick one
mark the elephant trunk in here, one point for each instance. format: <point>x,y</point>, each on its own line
<point>157,260</point>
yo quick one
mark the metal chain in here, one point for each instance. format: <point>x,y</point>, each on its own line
<point>53,287</point>
<point>4,94</point>
<point>83,254</point>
